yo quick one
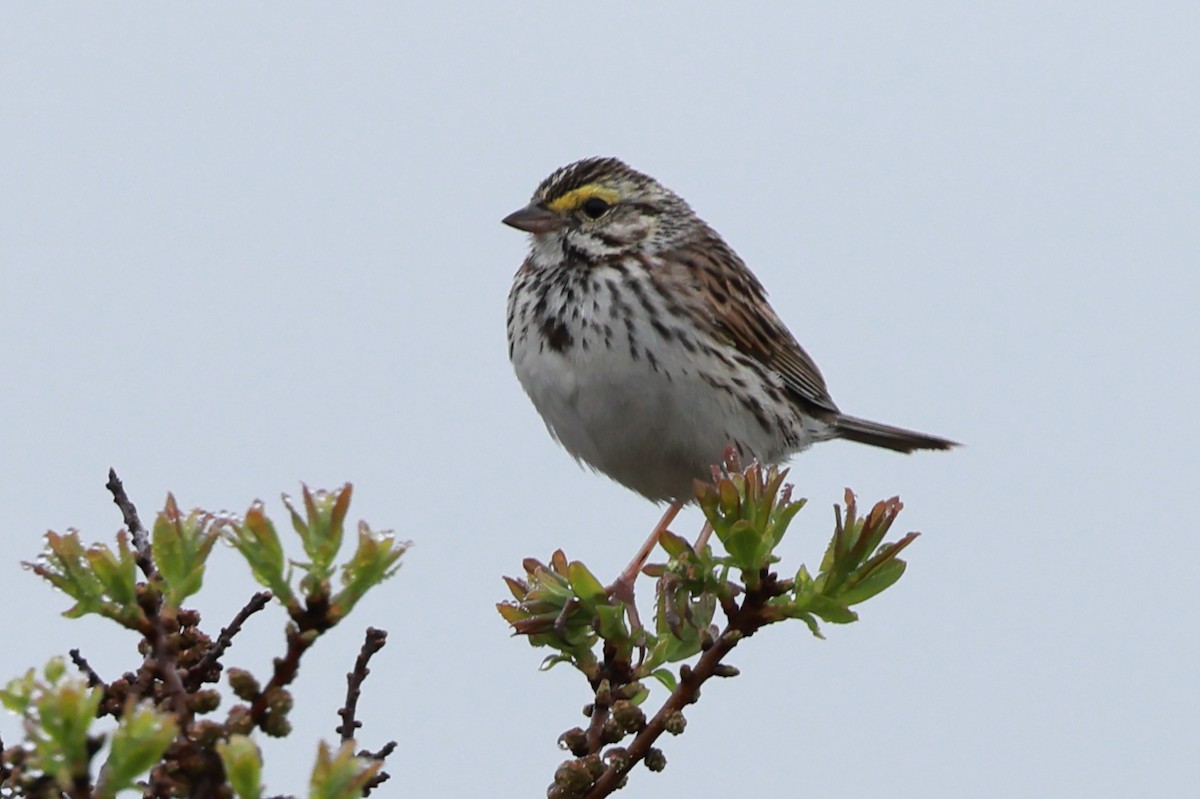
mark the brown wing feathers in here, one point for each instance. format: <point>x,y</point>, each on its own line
<point>738,308</point>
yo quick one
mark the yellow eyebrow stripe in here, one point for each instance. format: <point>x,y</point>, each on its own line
<point>577,197</point>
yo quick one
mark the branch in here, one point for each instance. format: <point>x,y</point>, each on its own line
<point>195,675</point>
<point>141,539</point>
<point>81,663</point>
<point>166,662</point>
<point>374,641</point>
<point>283,673</point>
<point>595,730</point>
<point>747,620</point>
<point>375,782</point>
<point>383,752</point>
<point>382,776</point>
<point>161,658</point>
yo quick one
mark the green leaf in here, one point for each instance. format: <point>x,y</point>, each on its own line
<point>731,503</point>
<point>641,694</point>
<point>376,559</point>
<point>341,775</point>
<point>612,622</point>
<point>511,613</point>
<point>68,567</point>
<point>672,649</point>
<point>666,677</point>
<point>804,581</point>
<point>743,543</point>
<point>64,715</point>
<point>117,573</point>
<point>887,552</point>
<point>831,610</point>
<point>181,546</point>
<point>674,545</point>
<point>243,765</point>
<point>782,519</point>
<point>138,743</point>
<point>813,627</point>
<point>54,670</point>
<point>709,500</point>
<point>877,581</point>
<point>255,539</point>
<point>321,529</point>
<point>585,585</point>
<point>17,694</point>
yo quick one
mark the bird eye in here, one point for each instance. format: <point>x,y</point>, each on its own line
<point>594,208</point>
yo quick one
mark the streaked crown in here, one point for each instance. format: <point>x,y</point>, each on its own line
<point>601,207</point>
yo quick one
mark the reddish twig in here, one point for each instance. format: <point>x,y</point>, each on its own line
<point>595,730</point>
<point>306,625</point>
<point>747,620</point>
<point>285,669</point>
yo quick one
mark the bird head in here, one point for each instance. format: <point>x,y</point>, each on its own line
<point>601,208</point>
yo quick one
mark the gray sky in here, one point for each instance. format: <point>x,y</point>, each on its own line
<point>247,246</point>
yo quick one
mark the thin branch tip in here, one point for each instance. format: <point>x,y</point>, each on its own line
<point>373,641</point>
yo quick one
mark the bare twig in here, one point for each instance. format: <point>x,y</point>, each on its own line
<point>375,782</point>
<point>382,754</point>
<point>195,675</point>
<point>374,641</point>
<point>162,659</point>
<point>141,539</point>
<point>382,776</point>
<point>81,663</point>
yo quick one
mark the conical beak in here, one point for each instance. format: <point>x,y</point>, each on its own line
<point>534,218</point>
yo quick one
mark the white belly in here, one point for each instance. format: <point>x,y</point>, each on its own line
<point>651,427</point>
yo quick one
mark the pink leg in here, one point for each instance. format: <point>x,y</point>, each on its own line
<point>622,589</point>
<point>639,560</point>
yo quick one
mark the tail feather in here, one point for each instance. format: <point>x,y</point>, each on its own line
<point>876,434</point>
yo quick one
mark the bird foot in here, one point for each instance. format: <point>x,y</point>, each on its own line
<point>622,590</point>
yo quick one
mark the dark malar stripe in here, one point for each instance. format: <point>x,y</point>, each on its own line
<point>556,334</point>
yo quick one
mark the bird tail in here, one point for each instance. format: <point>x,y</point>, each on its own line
<point>876,434</point>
